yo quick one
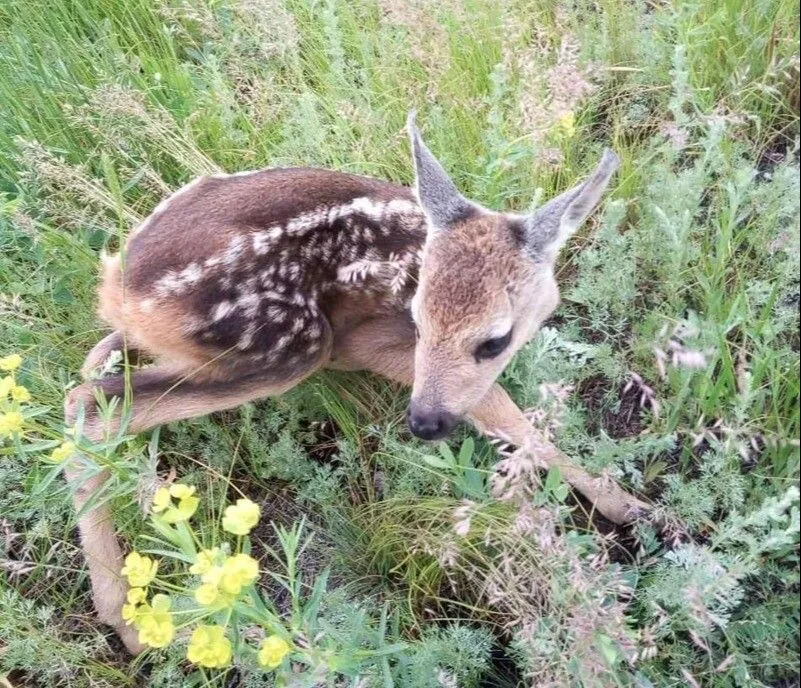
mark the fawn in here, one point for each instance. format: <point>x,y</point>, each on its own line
<point>242,285</point>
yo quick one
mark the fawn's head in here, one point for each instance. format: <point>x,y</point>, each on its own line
<point>486,285</point>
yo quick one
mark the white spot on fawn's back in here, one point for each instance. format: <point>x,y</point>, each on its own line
<point>176,282</point>
<point>283,341</point>
<point>222,309</point>
<point>234,250</point>
<point>249,303</point>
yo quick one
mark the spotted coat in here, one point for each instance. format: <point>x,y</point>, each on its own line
<point>255,266</point>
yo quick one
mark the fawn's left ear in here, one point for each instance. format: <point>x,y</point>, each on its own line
<point>547,229</point>
<point>437,194</point>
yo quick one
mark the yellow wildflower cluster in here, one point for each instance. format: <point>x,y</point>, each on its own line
<point>153,620</point>
<point>61,453</point>
<point>164,507</point>
<point>11,396</point>
<point>140,571</point>
<point>208,647</point>
<point>10,363</point>
<point>223,579</point>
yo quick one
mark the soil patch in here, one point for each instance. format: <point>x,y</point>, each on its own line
<point>625,421</point>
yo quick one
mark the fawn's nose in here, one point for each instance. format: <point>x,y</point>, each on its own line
<point>429,424</point>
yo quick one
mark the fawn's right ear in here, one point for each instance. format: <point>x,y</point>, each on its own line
<point>437,194</point>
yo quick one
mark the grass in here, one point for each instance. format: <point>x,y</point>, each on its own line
<point>677,339</point>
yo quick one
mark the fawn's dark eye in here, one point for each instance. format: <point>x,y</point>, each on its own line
<point>492,347</point>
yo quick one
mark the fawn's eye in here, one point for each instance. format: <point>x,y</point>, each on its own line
<point>492,347</point>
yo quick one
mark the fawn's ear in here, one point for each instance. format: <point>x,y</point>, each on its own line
<point>437,194</point>
<point>547,229</point>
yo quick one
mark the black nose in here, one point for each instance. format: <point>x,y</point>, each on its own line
<point>429,424</point>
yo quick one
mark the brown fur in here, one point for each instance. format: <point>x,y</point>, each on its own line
<point>157,331</point>
<point>467,271</point>
<point>474,280</point>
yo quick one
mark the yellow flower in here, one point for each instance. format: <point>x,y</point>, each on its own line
<point>212,576</point>
<point>130,611</point>
<point>204,561</point>
<point>237,572</point>
<point>10,362</point>
<point>11,423</point>
<point>272,651</point>
<point>62,452</point>
<point>136,596</point>
<point>20,393</point>
<point>208,647</point>
<point>6,385</point>
<point>139,570</point>
<point>567,125</point>
<point>161,500</point>
<point>183,512</point>
<point>221,584</point>
<point>207,594</point>
<point>154,622</point>
<point>180,491</point>
<point>187,503</point>
<point>214,590</point>
<point>240,518</point>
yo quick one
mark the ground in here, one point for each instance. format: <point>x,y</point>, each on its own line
<point>672,364</point>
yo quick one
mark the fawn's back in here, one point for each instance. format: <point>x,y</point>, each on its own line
<point>256,266</point>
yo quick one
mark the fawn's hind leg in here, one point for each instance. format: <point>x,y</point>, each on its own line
<point>161,394</point>
<point>102,350</point>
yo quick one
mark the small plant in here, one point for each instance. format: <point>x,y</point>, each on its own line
<point>12,396</point>
<point>467,480</point>
<point>210,601</point>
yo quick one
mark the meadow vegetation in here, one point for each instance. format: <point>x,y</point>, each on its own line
<point>672,364</point>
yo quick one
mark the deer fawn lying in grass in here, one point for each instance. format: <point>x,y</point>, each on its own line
<point>243,285</point>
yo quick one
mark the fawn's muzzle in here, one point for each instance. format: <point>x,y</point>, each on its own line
<point>429,424</point>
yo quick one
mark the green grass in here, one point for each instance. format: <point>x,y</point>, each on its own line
<point>107,105</point>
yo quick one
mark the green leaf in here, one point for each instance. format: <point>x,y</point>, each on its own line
<point>312,606</point>
<point>436,462</point>
<point>608,649</point>
<point>553,479</point>
<point>168,554</point>
<point>654,470</point>
<point>466,452</point>
<point>447,454</point>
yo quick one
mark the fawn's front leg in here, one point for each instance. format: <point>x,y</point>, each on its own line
<point>499,416</point>
<point>386,347</point>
